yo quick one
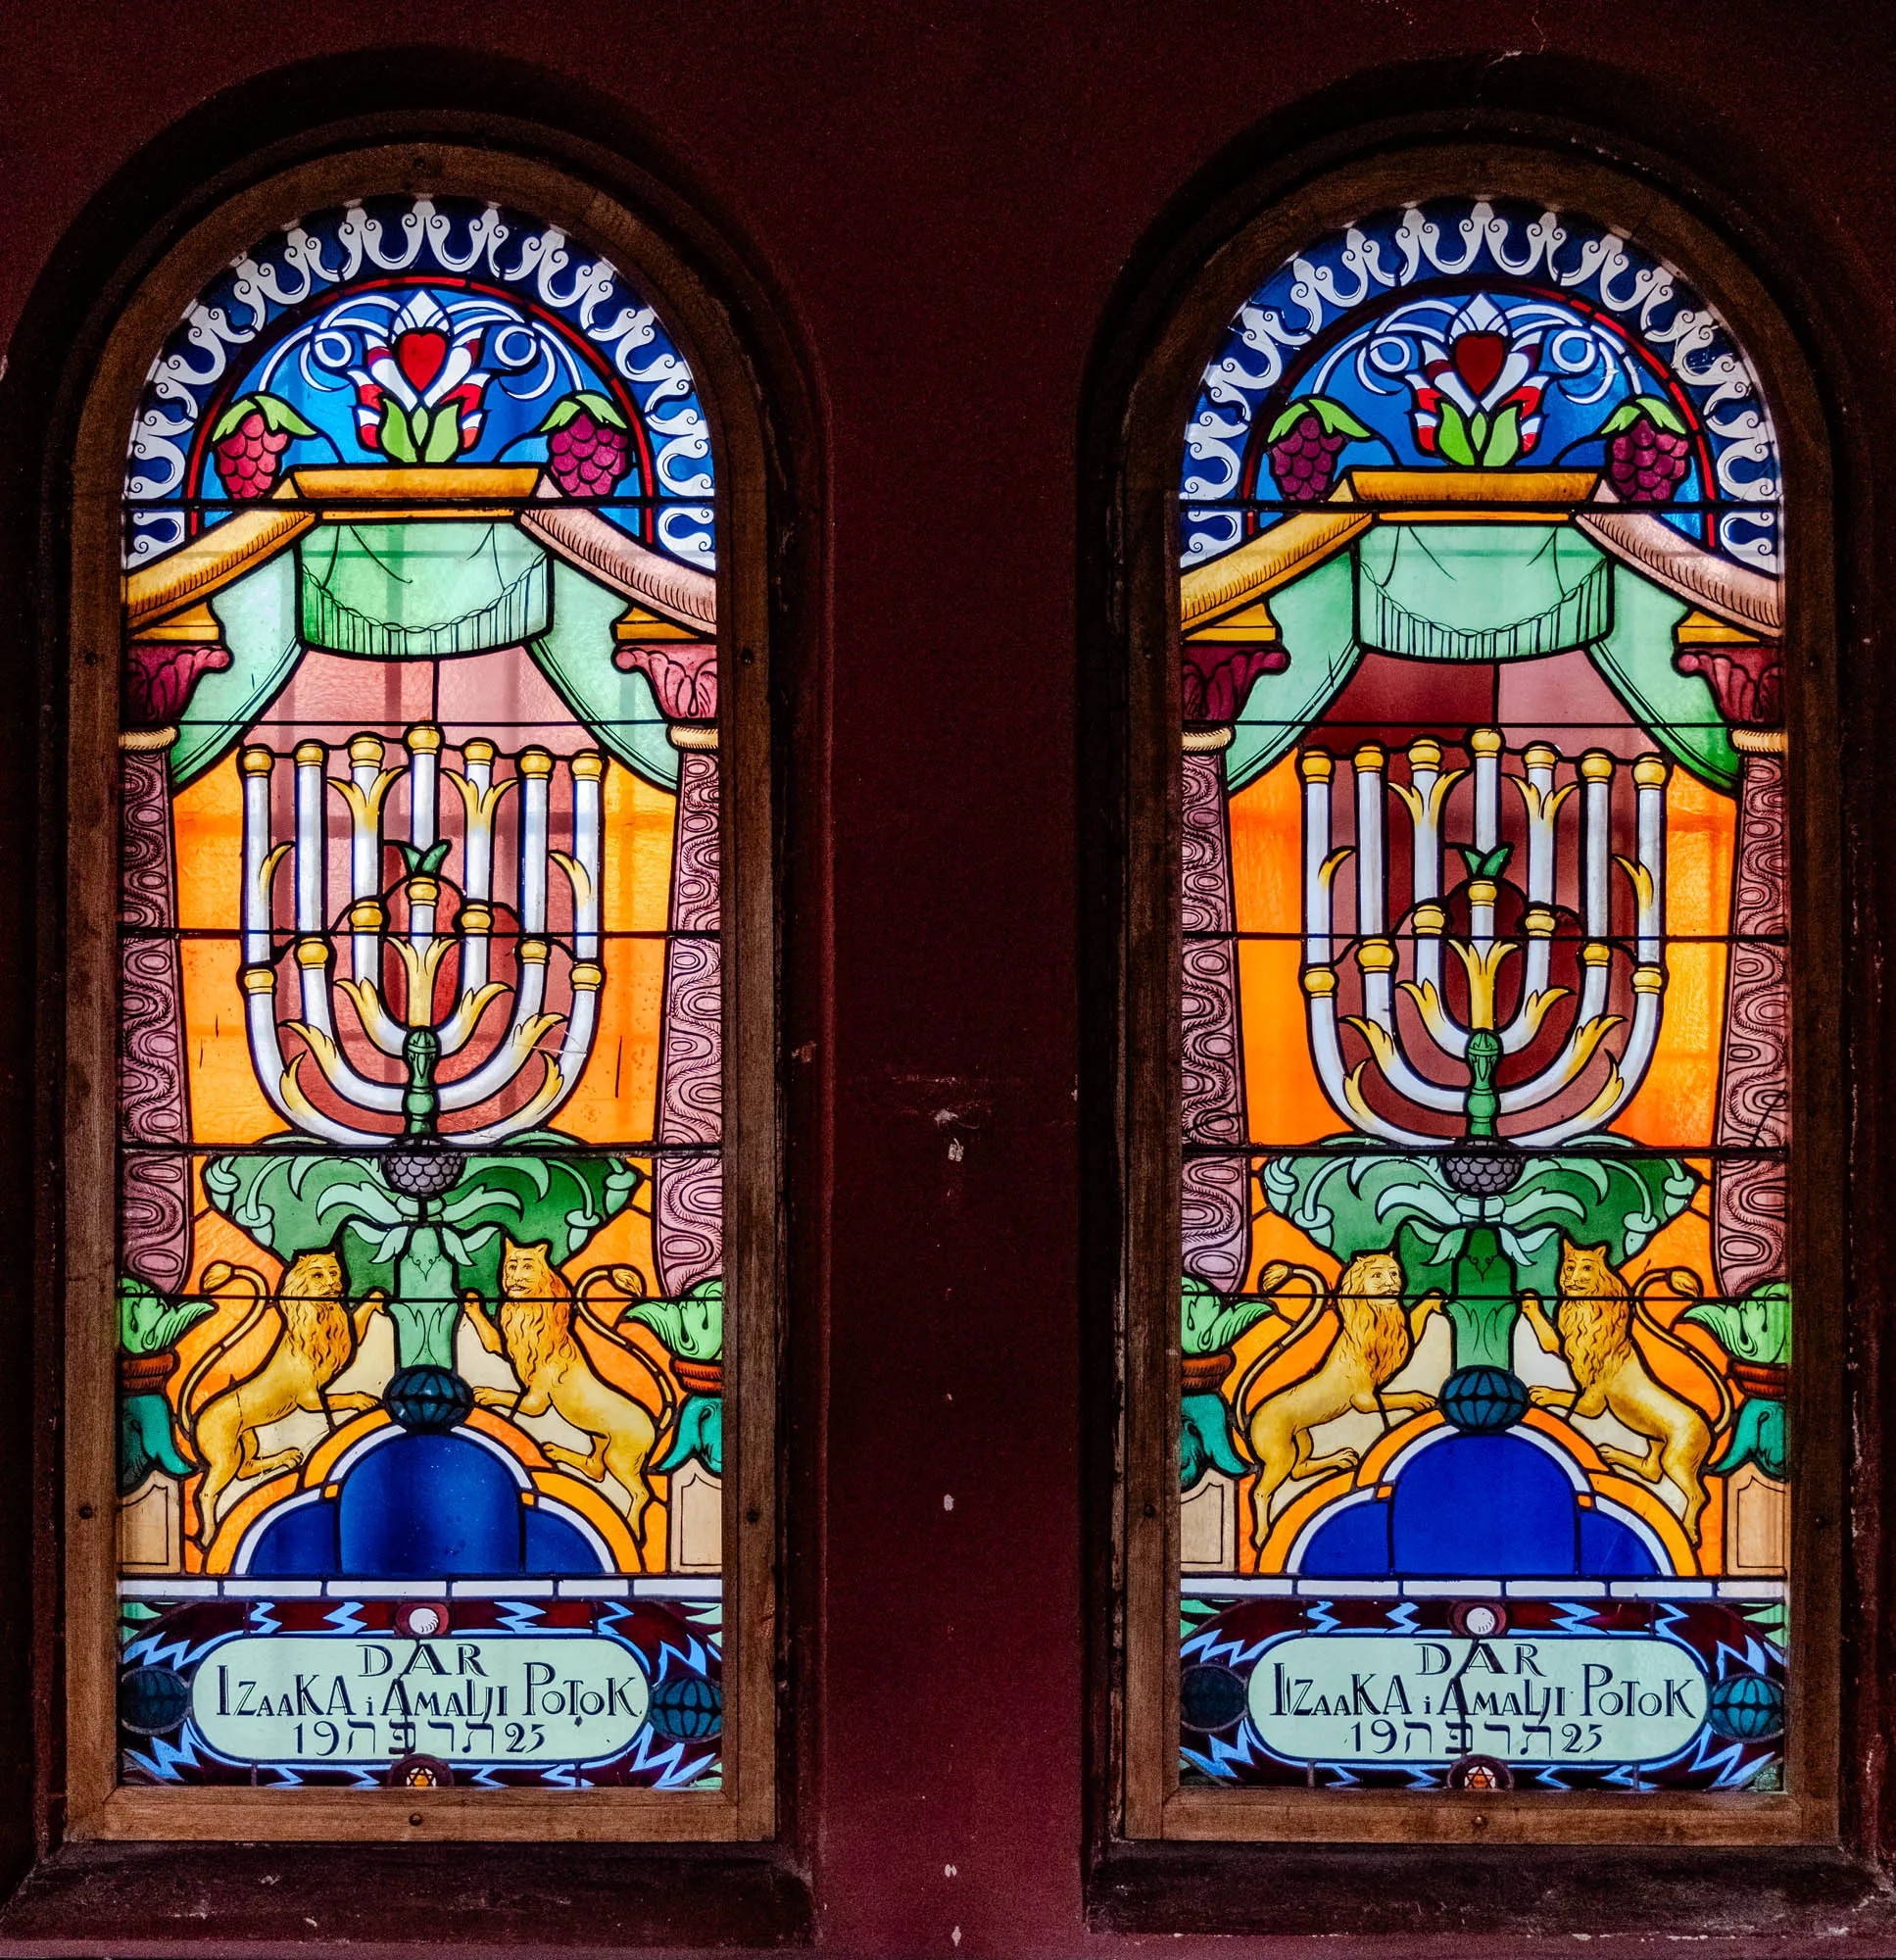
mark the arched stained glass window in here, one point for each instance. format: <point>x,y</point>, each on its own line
<point>421,1267</point>
<point>1484,1096</point>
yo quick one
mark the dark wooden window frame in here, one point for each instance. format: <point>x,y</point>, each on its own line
<point>733,1869</point>
<point>97,1804</point>
<point>1265,1862</point>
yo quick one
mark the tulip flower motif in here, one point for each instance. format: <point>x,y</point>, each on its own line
<point>419,398</point>
<point>1477,403</point>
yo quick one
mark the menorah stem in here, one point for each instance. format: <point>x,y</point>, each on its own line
<point>1484,1104</point>
<point>421,1105</point>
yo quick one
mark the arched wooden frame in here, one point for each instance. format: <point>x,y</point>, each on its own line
<point>1143,1799</point>
<point>746,1807</point>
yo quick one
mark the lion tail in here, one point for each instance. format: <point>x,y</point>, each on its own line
<point>1685,1281</point>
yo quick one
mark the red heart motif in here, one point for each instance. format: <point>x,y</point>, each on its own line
<point>420,356</point>
<point>1479,358</point>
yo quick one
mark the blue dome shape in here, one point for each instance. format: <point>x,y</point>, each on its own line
<point>1477,1506</point>
<point>1491,1506</point>
<point>429,1507</point>
<point>422,1506</point>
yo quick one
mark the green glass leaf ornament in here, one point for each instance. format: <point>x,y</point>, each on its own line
<point>1353,1200</point>
<point>1452,436</point>
<point>1334,418</point>
<point>443,441</point>
<point>276,412</point>
<point>585,401</point>
<point>1209,1323</point>
<point>1503,444</point>
<point>395,434</point>
<point>1205,1440</point>
<point>1485,864</point>
<point>548,1189</point>
<point>701,1434</point>
<point>1654,407</point>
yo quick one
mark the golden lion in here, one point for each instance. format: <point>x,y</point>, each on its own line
<point>536,1338</point>
<point>1593,1333</point>
<point>1375,1338</point>
<point>318,1340</point>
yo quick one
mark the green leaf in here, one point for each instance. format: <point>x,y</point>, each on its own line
<point>1504,445</point>
<point>701,1434</point>
<point>433,857</point>
<point>1485,864</point>
<point>1334,418</point>
<point>444,434</point>
<point>228,423</point>
<point>1451,436</point>
<point>1350,1199</point>
<point>279,415</point>
<point>397,438</point>
<point>1654,407</point>
<point>545,1189</point>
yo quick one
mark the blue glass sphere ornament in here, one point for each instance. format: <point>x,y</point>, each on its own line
<point>1746,1708</point>
<point>1484,1401</point>
<point>429,1398</point>
<point>687,1707</point>
<point>1210,1698</point>
<point>153,1701</point>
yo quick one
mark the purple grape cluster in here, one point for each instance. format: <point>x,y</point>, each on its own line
<point>249,456</point>
<point>1645,463</point>
<point>1304,459</point>
<point>586,457</point>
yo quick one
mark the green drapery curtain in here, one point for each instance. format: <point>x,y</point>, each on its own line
<point>393,591</point>
<point>1480,592</point>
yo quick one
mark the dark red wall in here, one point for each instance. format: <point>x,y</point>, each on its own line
<point>946,193</point>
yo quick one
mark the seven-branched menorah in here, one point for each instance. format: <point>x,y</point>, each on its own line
<point>417,1036</point>
<point>1474,1041</point>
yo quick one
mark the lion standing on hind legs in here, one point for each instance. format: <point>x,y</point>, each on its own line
<point>1375,1338</point>
<point>537,1338</point>
<point>318,1341</point>
<point>1593,1333</point>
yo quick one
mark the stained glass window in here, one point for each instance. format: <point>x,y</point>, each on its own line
<point>1486,1317</point>
<point>421,1287</point>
